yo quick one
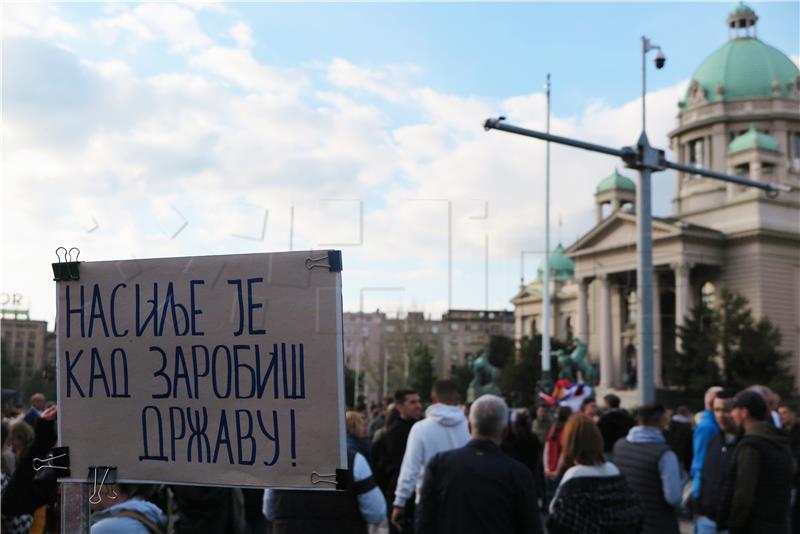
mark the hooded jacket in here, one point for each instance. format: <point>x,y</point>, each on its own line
<point>110,522</point>
<point>444,428</point>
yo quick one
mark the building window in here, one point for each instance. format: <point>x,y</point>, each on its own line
<point>707,294</point>
<point>435,329</point>
<point>568,327</point>
<point>533,327</point>
<point>697,152</point>
<point>453,327</point>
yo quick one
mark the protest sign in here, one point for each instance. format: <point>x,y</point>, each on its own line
<point>204,370</point>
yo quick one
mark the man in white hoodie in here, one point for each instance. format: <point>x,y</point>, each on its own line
<point>444,428</point>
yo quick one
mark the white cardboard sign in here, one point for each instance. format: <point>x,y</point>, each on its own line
<point>204,370</point>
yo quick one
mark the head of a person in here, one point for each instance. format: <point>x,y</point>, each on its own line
<point>562,414</point>
<point>408,404</point>
<point>749,407</point>
<point>722,405</point>
<point>770,397</point>
<point>111,494</point>
<point>788,414</point>
<point>355,424</point>
<point>542,412</point>
<point>684,411</point>
<point>612,401</point>
<point>589,407</point>
<point>582,442</point>
<point>708,399</point>
<point>652,415</point>
<point>488,417</point>
<point>21,437</point>
<point>445,392</point>
<point>38,401</point>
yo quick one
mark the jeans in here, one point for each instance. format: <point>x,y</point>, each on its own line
<point>704,525</point>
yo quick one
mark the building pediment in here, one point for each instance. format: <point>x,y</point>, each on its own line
<point>618,230</point>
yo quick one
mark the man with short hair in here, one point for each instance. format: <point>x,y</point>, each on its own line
<point>444,428</point>
<point>388,449</point>
<point>614,424</point>
<point>477,488</point>
<point>760,482</point>
<point>651,469</point>
<point>719,452</point>
<point>706,428</point>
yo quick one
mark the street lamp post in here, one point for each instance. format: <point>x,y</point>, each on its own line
<point>546,312</point>
<point>644,245</point>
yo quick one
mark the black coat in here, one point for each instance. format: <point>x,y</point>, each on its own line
<point>613,425</point>
<point>477,489</point>
<point>387,455</point>
<point>716,464</point>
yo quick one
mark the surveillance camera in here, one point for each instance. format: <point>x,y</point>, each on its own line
<point>660,60</point>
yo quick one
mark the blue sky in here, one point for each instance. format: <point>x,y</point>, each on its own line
<point>147,115</point>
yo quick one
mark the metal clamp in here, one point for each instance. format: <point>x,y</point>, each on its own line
<point>109,475</point>
<point>333,261</point>
<point>67,269</point>
<point>58,458</point>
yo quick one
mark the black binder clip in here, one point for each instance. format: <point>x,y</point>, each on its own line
<point>67,270</point>
<point>107,475</point>
<point>58,460</point>
<point>333,261</point>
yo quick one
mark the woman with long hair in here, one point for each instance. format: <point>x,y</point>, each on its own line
<point>593,496</point>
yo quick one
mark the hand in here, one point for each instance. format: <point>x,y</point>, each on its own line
<point>50,413</point>
<point>397,517</point>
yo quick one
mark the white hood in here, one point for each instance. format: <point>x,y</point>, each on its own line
<point>445,415</point>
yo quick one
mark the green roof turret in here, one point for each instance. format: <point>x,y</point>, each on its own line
<point>616,181</point>
<point>752,138</point>
<point>561,267</point>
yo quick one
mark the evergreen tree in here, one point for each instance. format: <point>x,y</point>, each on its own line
<point>732,318</point>
<point>757,359</point>
<point>501,351</point>
<point>694,367</point>
<point>420,371</point>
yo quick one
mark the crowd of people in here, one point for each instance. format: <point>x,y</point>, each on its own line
<point>480,467</point>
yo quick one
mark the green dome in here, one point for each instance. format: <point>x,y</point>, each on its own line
<point>752,138</point>
<point>561,267</point>
<point>742,9</point>
<point>616,181</point>
<point>744,68</point>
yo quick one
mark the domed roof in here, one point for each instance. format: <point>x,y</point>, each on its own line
<point>561,267</point>
<point>752,138</point>
<point>616,181</point>
<point>745,67</point>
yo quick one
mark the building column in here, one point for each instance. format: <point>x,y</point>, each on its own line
<point>681,298</point>
<point>583,311</point>
<point>606,354</point>
<point>657,355</point>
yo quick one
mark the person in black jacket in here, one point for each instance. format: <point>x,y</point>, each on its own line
<point>760,480</point>
<point>390,446</point>
<point>521,443</point>
<point>477,488</point>
<point>614,424</point>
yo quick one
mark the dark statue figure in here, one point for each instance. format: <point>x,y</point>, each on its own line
<point>485,375</point>
<point>569,365</point>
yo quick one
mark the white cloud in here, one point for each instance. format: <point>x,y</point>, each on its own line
<point>242,34</point>
<point>36,19</point>
<point>150,21</point>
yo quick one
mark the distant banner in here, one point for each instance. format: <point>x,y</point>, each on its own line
<point>204,370</point>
